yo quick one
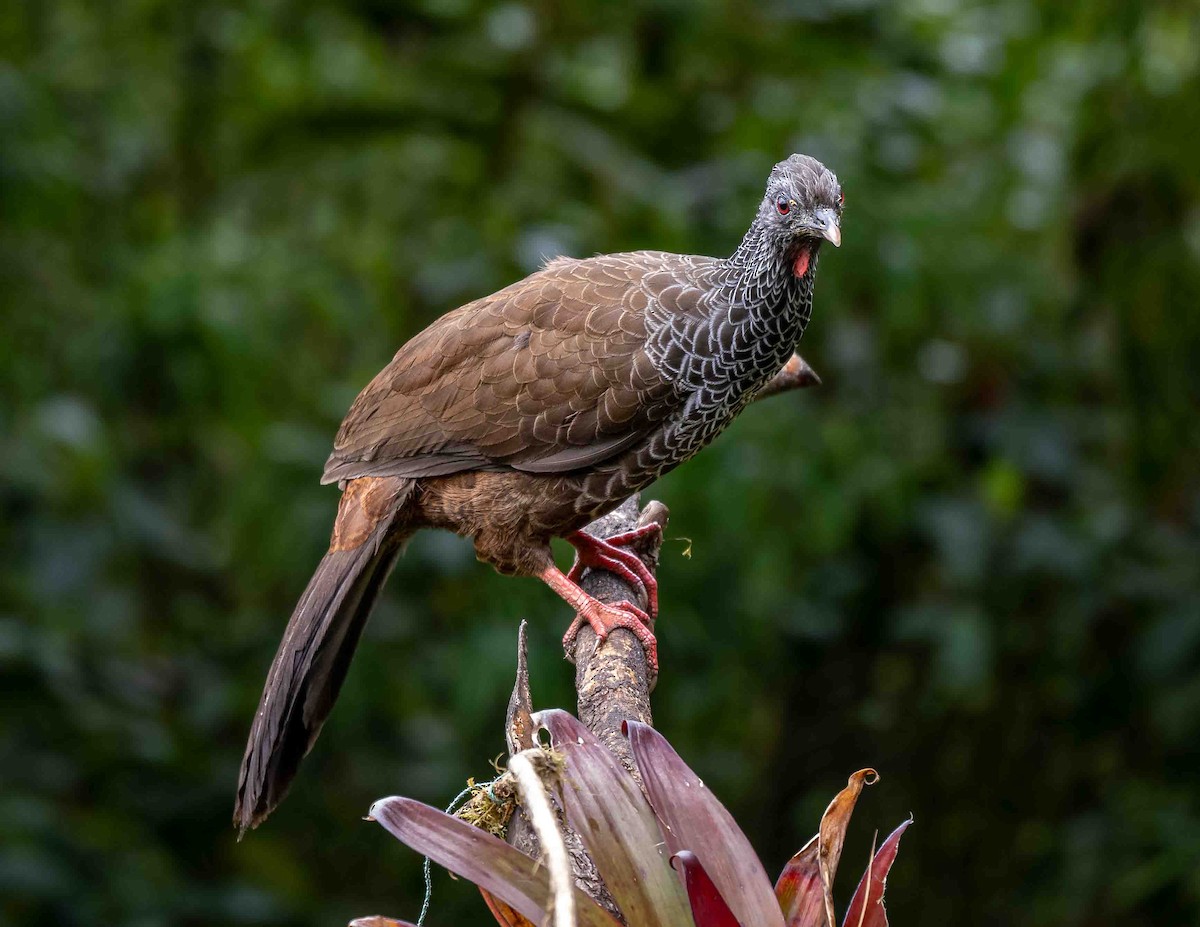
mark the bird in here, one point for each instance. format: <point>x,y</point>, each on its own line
<point>522,416</point>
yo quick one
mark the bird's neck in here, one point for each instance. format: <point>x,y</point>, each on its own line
<point>768,286</point>
<point>756,311</point>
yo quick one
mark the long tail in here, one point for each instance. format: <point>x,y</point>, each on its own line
<point>311,663</point>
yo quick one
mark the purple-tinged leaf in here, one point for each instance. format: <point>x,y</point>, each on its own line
<point>483,859</point>
<point>799,889</point>
<point>611,815</point>
<point>866,907</point>
<point>693,819</point>
<point>708,907</point>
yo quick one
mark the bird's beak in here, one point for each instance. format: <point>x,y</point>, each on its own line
<point>826,224</point>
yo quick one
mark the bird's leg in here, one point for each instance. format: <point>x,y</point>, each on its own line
<point>609,554</point>
<point>602,618</point>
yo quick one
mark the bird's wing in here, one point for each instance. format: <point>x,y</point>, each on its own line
<point>548,375</point>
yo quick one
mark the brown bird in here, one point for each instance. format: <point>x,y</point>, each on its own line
<point>524,415</point>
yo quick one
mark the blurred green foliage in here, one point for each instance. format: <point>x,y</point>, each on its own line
<point>971,559</point>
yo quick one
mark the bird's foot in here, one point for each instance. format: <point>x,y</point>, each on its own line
<point>611,554</point>
<point>603,619</point>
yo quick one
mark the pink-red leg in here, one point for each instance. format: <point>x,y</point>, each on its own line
<point>602,618</point>
<point>610,554</point>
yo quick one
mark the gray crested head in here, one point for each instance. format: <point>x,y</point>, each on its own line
<point>802,204</point>
<point>801,208</point>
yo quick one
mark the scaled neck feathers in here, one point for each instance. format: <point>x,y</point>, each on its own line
<point>761,280</point>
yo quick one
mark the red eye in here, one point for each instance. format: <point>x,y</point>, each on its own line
<point>841,198</point>
<point>783,204</point>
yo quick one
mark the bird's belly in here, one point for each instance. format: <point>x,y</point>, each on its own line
<point>515,506</point>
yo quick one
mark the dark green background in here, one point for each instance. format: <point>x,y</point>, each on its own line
<point>971,559</point>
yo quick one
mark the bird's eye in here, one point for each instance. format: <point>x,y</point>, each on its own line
<point>784,205</point>
<point>841,199</point>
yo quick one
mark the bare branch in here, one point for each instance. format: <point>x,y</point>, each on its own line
<point>796,374</point>
<point>613,682</point>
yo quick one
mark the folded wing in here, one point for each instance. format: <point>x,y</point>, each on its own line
<point>548,375</point>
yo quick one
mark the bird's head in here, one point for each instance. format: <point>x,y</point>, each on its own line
<point>802,207</point>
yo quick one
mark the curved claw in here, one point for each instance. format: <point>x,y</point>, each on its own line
<point>603,619</point>
<point>609,554</point>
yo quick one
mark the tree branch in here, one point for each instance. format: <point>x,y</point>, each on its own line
<point>796,374</point>
<point>613,685</point>
<point>613,682</point>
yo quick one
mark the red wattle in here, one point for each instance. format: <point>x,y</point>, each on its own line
<point>802,259</point>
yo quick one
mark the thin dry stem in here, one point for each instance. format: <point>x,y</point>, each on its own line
<point>545,825</point>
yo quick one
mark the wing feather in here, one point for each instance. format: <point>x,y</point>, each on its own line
<point>548,375</point>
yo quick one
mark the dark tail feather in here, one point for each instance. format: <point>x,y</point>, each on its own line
<point>309,668</point>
